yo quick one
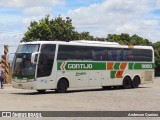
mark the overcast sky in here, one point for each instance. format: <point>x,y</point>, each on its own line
<point>99,17</point>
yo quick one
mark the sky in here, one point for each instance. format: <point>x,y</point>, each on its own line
<point>99,17</point>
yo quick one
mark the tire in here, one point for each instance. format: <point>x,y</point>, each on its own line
<point>127,82</point>
<point>62,86</point>
<point>135,82</point>
<point>41,91</point>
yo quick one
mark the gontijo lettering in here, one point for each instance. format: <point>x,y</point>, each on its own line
<point>80,66</point>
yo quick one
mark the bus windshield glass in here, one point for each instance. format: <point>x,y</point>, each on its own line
<point>22,61</point>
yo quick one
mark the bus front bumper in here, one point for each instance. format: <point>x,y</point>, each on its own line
<point>24,85</point>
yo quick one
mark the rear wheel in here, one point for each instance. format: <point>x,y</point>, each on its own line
<point>135,82</point>
<point>62,86</point>
<point>126,82</point>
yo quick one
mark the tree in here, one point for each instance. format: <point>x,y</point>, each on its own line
<point>126,39</point>
<point>114,38</point>
<point>136,40</point>
<point>156,47</point>
<point>85,36</point>
<point>54,29</point>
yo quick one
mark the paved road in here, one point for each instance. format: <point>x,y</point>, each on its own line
<point>145,98</point>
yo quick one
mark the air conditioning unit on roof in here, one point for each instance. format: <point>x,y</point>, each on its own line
<point>95,42</point>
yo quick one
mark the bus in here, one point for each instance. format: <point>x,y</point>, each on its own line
<point>57,65</point>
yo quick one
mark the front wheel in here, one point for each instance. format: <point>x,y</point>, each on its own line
<point>62,86</point>
<point>126,82</point>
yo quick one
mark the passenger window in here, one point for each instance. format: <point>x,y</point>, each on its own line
<point>114,54</point>
<point>127,55</point>
<point>110,55</point>
<point>99,53</point>
<point>119,55</point>
<point>74,53</point>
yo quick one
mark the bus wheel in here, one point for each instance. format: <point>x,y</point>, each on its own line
<point>126,82</point>
<point>135,82</point>
<point>62,86</point>
<point>41,91</point>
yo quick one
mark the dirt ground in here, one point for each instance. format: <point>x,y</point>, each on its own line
<point>144,98</point>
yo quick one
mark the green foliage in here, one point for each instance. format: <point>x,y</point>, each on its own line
<point>54,29</point>
<point>156,47</point>
<point>126,39</point>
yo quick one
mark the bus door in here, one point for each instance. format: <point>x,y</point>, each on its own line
<point>45,65</point>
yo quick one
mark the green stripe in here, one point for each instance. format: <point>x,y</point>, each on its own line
<point>116,66</point>
<point>102,66</point>
<point>140,66</point>
<point>113,74</point>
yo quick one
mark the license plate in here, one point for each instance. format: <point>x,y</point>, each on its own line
<point>19,85</point>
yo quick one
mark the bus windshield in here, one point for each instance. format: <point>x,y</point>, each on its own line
<point>22,61</point>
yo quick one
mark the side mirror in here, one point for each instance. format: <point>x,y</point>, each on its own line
<point>34,57</point>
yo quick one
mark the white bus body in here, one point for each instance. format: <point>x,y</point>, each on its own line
<point>45,65</point>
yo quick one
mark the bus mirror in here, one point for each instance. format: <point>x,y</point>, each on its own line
<point>34,57</point>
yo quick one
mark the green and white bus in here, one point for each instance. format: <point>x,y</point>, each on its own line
<point>57,65</point>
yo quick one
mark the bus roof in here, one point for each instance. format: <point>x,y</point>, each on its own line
<point>89,43</point>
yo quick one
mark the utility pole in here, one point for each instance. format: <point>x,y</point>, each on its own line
<point>4,63</point>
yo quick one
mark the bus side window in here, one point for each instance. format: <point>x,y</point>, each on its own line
<point>118,55</point>
<point>124,55</point>
<point>104,55</point>
<point>129,55</point>
<point>110,55</point>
